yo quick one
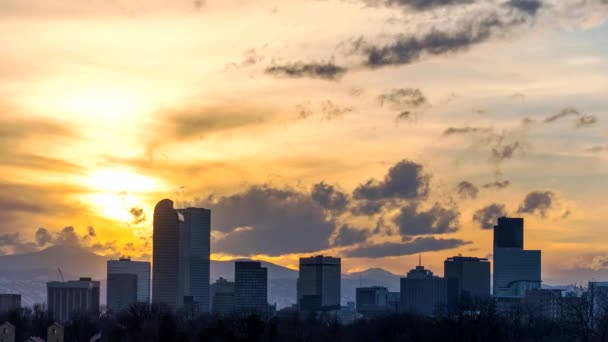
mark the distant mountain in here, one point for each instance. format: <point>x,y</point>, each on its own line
<point>369,277</point>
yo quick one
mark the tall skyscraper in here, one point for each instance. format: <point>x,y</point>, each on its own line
<point>515,270</point>
<point>166,281</point>
<point>9,302</point>
<point>423,293</point>
<point>66,298</point>
<point>319,283</point>
<point>181,256</point>
<point>121,291</point>
<point>195,247</point>
<point>372,300</point>
<point>139,268</point>
<point>471,277</point>
<point>222,297</point>
<point>250,288</point>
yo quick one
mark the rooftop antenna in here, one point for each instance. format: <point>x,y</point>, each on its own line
<point>60,273</point>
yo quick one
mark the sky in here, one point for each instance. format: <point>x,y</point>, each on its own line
<point>372,130</point>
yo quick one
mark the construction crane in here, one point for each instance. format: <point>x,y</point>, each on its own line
<point>60,274</point>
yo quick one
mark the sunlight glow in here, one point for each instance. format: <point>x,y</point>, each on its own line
<point>117,181</point>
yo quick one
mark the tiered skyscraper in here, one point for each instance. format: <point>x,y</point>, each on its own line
<point>467,277</point>
<point>319,283</point>
<point>181,256</point>
<point>423,293</point>
<point>515,270</point>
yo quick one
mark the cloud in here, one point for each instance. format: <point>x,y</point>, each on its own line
<point>348,235</point>
<point>537,202</point>
<point>437,220</point>
<point>581,120</point>
<point>15,244</point>
<point>497,184</point>
<point>529,7</point>
<point>487,216</point>
<point>43,237</point>
<point>405,180</point>
<point>418,5</point>
<point>331,110</point>
<point>198,123</point>
<point>467,190</point>
<point>406,116</point>
<point>566,112</point>
<point>586,120</point>
<point>502,152</point>
<point>367,208</point>
<point>321,70</point>
<point>465,130</point>
<point>251,57</point>
<point>418,245</point>
<point>597,149</point>
<point>280,221</point>
<point>329,197</point>
<point>138,214</point>
<point>402,98</point>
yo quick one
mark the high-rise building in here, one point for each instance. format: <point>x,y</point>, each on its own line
<point>122,291</point>
<point>166,281</point>
<point>515,270</point>
<point>222,297</point>
<point>181,256</point>
<point>195,247</point>
<point>423,293</point>
<point>319,283</point>
<point>471,277</point>
<point>9,302</point>
<point>250,288</point>
<point>372,300</point>
<point>598,298</point>
<point>139,268</point>
<point>66,298</point>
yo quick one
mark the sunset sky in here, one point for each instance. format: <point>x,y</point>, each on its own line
<point>373,130</point>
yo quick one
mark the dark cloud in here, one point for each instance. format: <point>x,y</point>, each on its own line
<point>586,120</point>
<point>367,208</point>
<point>419,5</point>
<point>406,116</point>
<point>15,244</point>
<point>267,220</point>
<point>138,214</point>
<point>529,7</point>
<point>348,235</point>
<point>465,130</point>
<point>43,237</point>
<point>331,110</point>
<point>487,216</point>
<point>537,202</point>
<point>437,220</point>
<point>497,184</point>
<point>418,245</point>
<point>402,98</point>
<point>329,197</point>
<point>405,180</point>
<point>322,70</point>
<point>467,190</point>
<point>502,152</point>
<point>581,120</point>
<point>9,239</point>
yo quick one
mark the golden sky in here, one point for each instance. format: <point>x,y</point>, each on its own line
<point>371,130</point>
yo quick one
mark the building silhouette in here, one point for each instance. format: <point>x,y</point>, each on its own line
<point>7,332</point>
<point>516,270</point>
<point>55,333</point>
<point>372,301</point>
<point>250,288</point>
<point>546,303</point>
<point>118,275</point>
<point>423,293</point>
<point>222,297</point>
<point>76,296</point>
<point>468,278</point>
<point>181,256</point>
<point>9,302</point>
<point>167,287</point>
<point>195,232</point>
<point>319,283</point>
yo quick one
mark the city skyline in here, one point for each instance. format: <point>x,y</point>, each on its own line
<point>381,129</point>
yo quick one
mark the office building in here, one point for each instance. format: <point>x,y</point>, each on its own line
<point>546,303</point>
<point>372,300</point>
<point>195,235</point>
<point>598,297</point>
<point>319,283</point>
<point>66,298</point>
<point>250,288</point>
<point>167,287</point>
<point>181,256</point>
<point>121,291</point>
<point>471,278</point>
<point>222,297</point>
<point>394,301</point>
<point>9,302</point>
<point>140,268</point>
<point>423,293</point>
<point>516,270</point>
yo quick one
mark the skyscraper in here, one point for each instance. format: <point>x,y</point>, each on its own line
<point>66,298</point>
<point>250,285</point>
<point>423,293</point>
<point>121,291</point>
<point>166,281</point>
<point>372,300</point>
<point>222,297</point>
<point>515,270</point>
<point>139,268</point>
<point>319,283</point>
<point>470,275</point>
<point>181,256</point>
<point>195,248</point>
<point>9,302</point>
